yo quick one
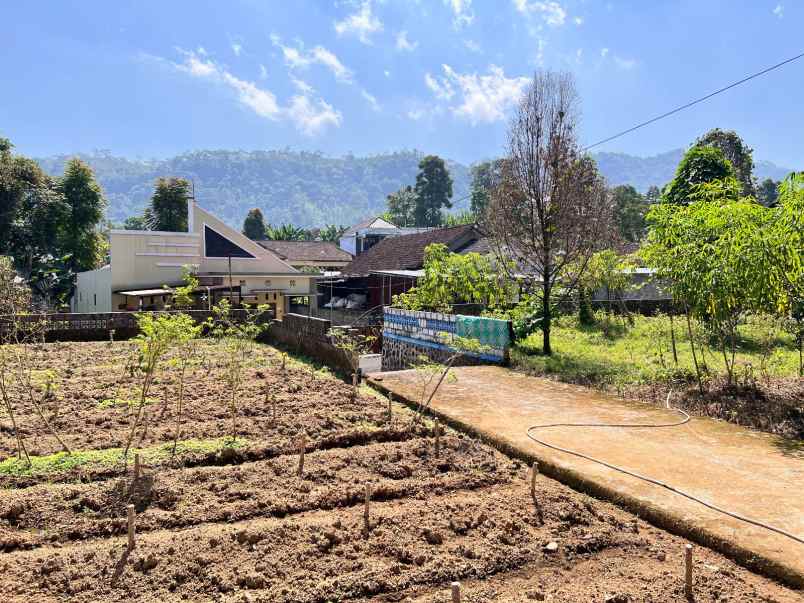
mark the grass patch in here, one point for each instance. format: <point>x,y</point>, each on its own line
<point>617,354</point>
<point>63,462</point>
<point>124,402</point>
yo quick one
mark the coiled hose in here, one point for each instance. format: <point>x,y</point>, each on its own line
<point>645,478</point>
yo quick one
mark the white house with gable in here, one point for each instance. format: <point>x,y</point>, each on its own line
<point>145,264</point>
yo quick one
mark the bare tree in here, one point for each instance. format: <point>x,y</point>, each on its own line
<point>551,211</point>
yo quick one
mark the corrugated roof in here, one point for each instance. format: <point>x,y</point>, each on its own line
<point>307,251</point>
<point>406,252</point>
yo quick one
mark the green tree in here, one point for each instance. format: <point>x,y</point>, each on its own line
<point>331,233</point>
<point>168,208</point>
<point>287,232</point>
<point>630,208</point>
<point>135,223</point>
<point>85,205</point>
<point>699,165</point>
<point>768,192</point>
<point>452,278</point>
<point>254,225</point>
<point>402,206</point>
<point>433,191</point>
<point>485,176</point>
<point>740,155</point>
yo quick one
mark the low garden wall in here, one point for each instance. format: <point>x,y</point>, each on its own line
<point>408,335</point>
<point>307,335</point>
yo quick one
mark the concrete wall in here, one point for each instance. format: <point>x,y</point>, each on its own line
<point>93,291</point>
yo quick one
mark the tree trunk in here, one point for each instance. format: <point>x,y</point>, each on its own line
<point>547,349</point>
<point>673,339</point>
<point>694,355</point>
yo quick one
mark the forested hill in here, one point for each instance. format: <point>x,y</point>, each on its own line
<point>306,189</point>
<point>311,189</point>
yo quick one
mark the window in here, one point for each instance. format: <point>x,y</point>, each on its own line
<point>292,283</point>
<point>94,299</point>
<point>218,246</point>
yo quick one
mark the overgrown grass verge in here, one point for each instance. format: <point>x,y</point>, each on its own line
<point>109,457</point>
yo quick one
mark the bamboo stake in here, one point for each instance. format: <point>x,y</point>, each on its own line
<point>390,410</point>
<point>302,446</point>
<point>533,473</point>
<point>131,527</point>
<point>366,522</point>
<point>688,571</point>
<point>437,438</point>
<point>456,592</point>
<point>137,467</point>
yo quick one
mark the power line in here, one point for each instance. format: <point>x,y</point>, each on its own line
<point>696,101</point>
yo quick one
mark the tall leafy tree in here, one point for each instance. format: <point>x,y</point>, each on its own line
<point>20,179</point>
<point>768,192</point>
<point>287,232</point>
<point>433,191</point>
<point>168,208</point>
<point>485,176</point>
<point>85,205</point>
<point>402,206</point>
<point>630,208</point>
<point>739,154</point>
<point>331,232</point>
<point>699,165</point>
<point>254,225</point>
<point>135,223</point>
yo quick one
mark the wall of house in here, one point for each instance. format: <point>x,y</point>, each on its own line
<point>93,291</point>
<point>348,244</point>
<point>148,259</point>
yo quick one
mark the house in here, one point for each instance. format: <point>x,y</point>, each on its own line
<point>392,265</point>
<point>363,236</point>
<point>145,264</point>
<point>306,255</point>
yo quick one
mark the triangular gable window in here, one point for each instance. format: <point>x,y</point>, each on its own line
<point>218,246</point>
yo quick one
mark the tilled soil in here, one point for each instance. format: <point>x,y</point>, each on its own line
<point>244,526</point>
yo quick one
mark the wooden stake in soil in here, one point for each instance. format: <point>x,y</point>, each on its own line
<point>688,571</point>
<point>137,467</point>
<point>437,438</point>
<point>302,446</point>
<point>456,592</point>
<point>131,526</point>
<point>390,410</point>
<point>533,473</point>
<point>366,523</point>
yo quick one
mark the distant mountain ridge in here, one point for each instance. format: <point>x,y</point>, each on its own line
<point>312,189</point>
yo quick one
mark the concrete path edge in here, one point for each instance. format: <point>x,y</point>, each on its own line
<point>653,514</point>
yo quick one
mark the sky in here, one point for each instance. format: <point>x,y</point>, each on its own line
<point>151,79</point>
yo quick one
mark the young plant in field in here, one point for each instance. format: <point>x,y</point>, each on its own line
<point>6,376</point>
<point>186,334</point>
<point>158,332</point>
<point>352,343</point>
<point>237,340</point>
<point>427,370</point>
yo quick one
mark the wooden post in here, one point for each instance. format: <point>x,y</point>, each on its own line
<point>390,410</point>
<point>456,592</point>
<point>302,446</point>
<point>131,527</point>
<point>437,438</point>
<point>533,473</point>
<point>366,523</point>
<point>137,468</point>
<point>688,571</point>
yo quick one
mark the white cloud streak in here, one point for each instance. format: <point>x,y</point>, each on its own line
<point>403,43</point>
<point>462,12</point>
<point>361,24</point>
<point>480,98</point>
<point>298,58</point>
<point>550,12</point>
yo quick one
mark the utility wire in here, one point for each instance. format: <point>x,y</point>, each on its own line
<point>695,102</point>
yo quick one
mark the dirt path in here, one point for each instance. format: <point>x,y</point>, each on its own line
<point>754,474</point>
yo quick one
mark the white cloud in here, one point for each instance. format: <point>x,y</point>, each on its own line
<point>371,100</point>
<point>416,114</point>
<point>480,98</point>
<point>202,51</point>
<point>311,117</point>
<point>462,11</point>
<point>308,115</point>
<point>301,85</point>
<point>604,52</point>
<point>263,72</point>
<point>298,58</point>
<point>625,64</point>
<point>387,73</point>
<point>473,46</point>
<point>551,12</point>
<point>540,46</point>
<point>779,11</point>
<point>578,21</point>
<point>402,42</point>
<point>579,56</point>
<point>442,89</point>
<point>362,24</point>
<point>237,49</point>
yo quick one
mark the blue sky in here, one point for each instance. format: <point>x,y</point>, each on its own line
<point>151,79</point>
